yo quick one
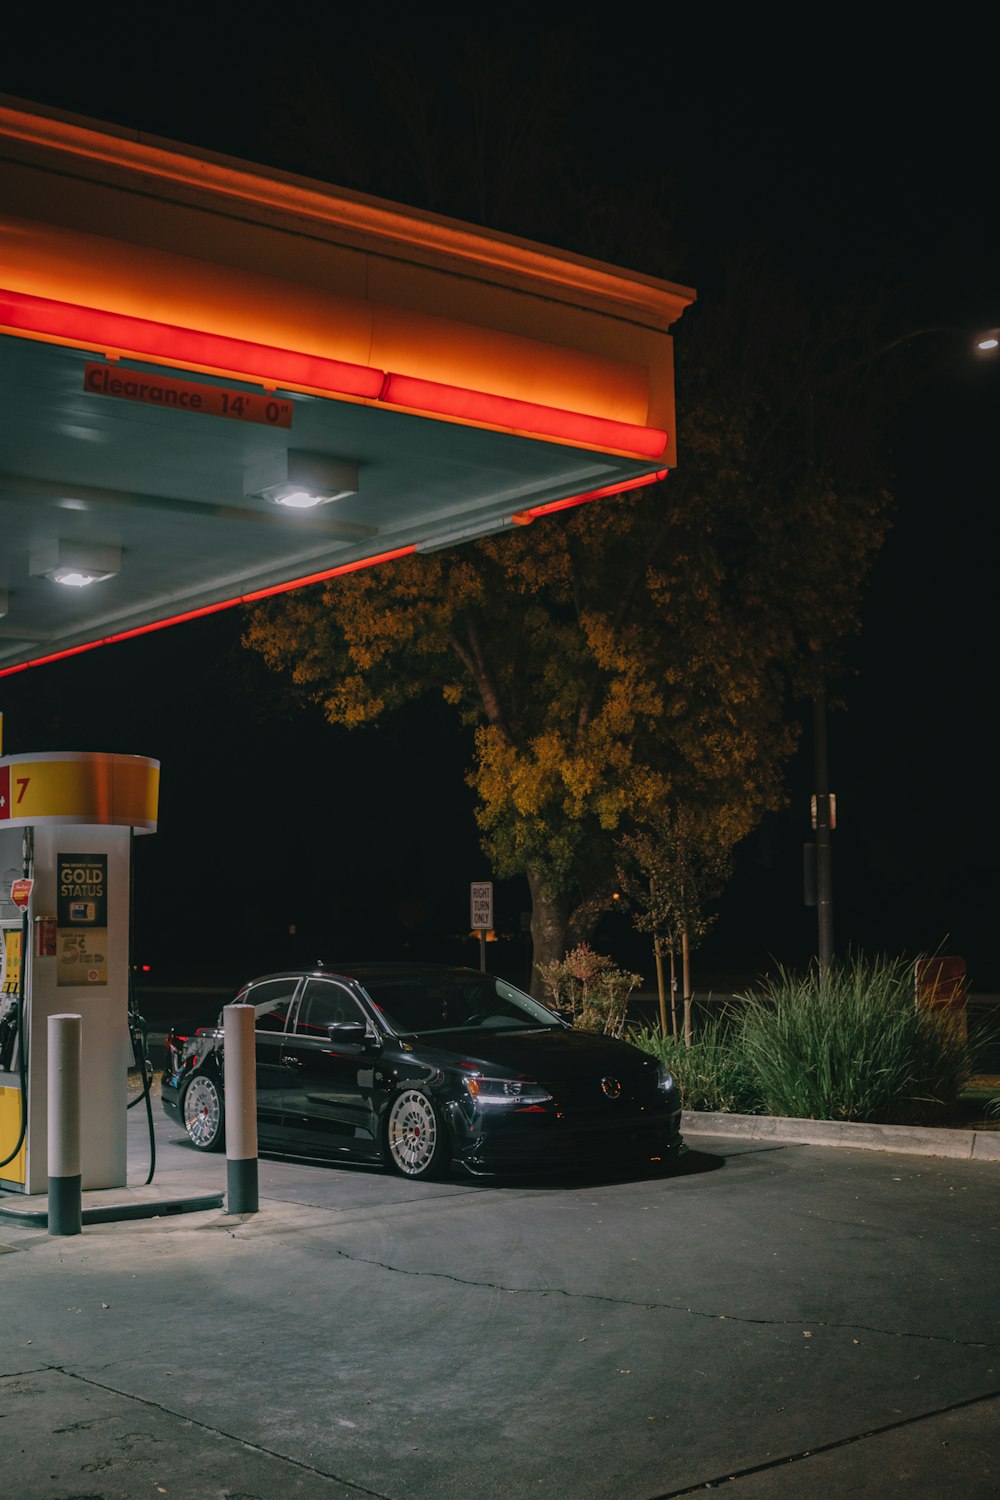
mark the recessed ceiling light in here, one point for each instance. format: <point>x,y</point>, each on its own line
<point>301,481</point>
<point>75,564</point>
<point>300,499</point>
<point>76,579</point>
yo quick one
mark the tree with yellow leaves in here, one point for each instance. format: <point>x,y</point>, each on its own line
<point>639,651</point>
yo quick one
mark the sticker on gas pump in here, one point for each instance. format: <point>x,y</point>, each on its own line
<point>83,890</point>
<point>81,957</point>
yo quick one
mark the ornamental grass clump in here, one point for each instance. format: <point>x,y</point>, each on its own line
<point>852,1045</point>
<point>710,1073</point>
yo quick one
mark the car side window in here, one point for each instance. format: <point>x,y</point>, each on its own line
<point>271,1003</point>
<point>325,1003</point>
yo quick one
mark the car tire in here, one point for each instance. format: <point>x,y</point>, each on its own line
<point>415,1136</point>
<point>203,1113</point>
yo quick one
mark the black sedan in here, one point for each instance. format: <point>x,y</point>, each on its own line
<point>422,1067</point>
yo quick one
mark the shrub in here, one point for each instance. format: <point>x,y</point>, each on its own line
<point>711,1074</point>
<point>591,988</point>
<point>852,1046</point>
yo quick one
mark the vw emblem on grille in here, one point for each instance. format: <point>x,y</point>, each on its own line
<point>611,1087</point>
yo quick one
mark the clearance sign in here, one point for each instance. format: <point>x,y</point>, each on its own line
<point>187,395</point>
<point>76,787</point>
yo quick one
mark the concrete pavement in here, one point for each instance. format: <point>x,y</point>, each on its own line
<point>784,1319</point>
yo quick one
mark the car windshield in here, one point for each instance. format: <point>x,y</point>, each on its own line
<point>454,1002</point>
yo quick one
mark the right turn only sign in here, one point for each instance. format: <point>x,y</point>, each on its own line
<point>482,905</point>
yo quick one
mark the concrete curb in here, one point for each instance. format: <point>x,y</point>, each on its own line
<point>915,1140</point>
<point>34,1211</point>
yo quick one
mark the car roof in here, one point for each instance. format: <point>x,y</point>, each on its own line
<point>372,969</point>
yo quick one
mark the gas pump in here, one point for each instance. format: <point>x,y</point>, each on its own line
<point>67,820</point>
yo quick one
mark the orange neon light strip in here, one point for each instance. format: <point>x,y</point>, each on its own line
<point>522,518</point>
<point>97,329</point>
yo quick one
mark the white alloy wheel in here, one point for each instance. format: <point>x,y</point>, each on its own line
<point>415,1135</point>
<point>202,1113</point>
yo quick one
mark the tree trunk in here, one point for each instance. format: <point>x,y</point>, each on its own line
<point>660,987</point>
<point>549,928</point>
<point>686,961</point>
<point>673,994</point>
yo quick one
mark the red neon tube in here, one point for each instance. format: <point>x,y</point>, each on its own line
<point>92,328</point>
<point>521,517</point>
<point>611,489</point>
<point>524,416</point>
<point>207,609</point>
<point>97,329</point>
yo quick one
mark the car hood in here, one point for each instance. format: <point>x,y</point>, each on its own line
<point>537,1054</point>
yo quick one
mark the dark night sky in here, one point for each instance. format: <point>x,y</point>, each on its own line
<point>862,156</point>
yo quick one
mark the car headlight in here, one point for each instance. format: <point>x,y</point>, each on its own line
<point>665,1080</point>
<point>504,1091</point>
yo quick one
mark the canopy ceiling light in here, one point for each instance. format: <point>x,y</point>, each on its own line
<point>74,563</point>
<point>301,481</point>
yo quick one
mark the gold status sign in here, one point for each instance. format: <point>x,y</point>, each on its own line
<point>82,926</point>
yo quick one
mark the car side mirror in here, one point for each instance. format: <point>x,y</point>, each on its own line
<point>347,1032</point>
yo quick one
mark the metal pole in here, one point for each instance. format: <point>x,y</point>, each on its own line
<point>65,1039</point>
<point>686,973</point>
<point>824,848</point>
<point>482,950</point>
<point>241,1110</point>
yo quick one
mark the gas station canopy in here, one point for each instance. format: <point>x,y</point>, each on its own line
<point>218,381</point>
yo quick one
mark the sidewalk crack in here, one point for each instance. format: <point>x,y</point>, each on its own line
<point>669,1307</point>
<point>793,1458</point>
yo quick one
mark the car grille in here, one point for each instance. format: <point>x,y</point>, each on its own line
<point>586,1096</point>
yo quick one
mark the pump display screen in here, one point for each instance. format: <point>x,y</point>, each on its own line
<point>10,961</point>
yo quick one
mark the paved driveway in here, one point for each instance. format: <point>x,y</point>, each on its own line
<point>814,1322</point>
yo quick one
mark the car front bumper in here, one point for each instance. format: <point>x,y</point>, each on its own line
<point>555,1139</point>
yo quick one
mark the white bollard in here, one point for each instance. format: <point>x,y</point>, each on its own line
<point>65,1040</point>
<point>241,1109</point>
